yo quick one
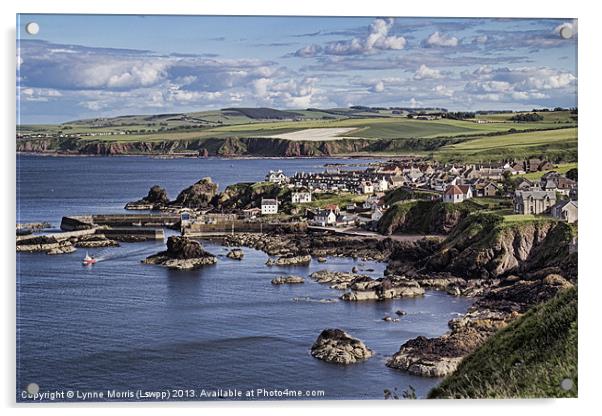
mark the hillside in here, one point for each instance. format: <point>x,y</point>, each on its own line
<point>263,132</point>
<point>488,246</point>
<point>425,217</point>
<point>528,359</point>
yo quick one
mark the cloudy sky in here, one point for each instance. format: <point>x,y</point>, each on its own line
<point>92,66</point>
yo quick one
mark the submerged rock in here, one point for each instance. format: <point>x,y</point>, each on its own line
<point>289,261</point>
<point>337,346</point>
<point>284,280</point>
<point>182,254</point>
<point>235,254</point>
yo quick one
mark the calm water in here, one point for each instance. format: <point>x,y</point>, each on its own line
<point>124,325</point>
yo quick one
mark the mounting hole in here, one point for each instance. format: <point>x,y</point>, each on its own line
<point>566,384</point>
<point>33,388</point>
<point>566,32</point>
<point>32,28</point>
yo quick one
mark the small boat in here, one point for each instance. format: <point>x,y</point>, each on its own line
<point>88,261</point>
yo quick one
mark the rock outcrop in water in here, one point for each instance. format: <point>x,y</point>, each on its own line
<point>288,280</point>
<point>182,254</point>
<point>337,346</point>
<point>290,261</point>
<point>235,254</point>
<point>198,195</point>
<point>154,200</point>
<point>390,287</point>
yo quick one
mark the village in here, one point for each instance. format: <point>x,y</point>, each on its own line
<point>345,198</point>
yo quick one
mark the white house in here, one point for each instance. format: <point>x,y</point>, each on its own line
<point>276,176</point>
<point>565,211</point>
<point>366,187</point>
<point>324,217</point>
<point>382,185</point>
<point>457,193</point>
<point>300,197</point>
<point>269,206</point>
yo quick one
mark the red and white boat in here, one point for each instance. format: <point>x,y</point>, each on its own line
<point>88,261</point>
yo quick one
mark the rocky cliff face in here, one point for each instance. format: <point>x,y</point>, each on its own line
<point>227,147</point>
<point>428,217</point>
<point>483,246</point>
<point>249,195</point>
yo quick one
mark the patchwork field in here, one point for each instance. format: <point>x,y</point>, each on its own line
<point>340,131</point>
<point>552,142</point>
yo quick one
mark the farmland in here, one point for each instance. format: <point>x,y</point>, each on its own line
<point>516,145</point>
<point>313,132</point>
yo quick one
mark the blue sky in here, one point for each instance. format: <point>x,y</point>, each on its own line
<point>82,66</point>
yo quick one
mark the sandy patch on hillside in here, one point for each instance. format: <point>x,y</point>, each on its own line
<point>316,134</point>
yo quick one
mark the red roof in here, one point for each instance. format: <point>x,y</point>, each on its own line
<point>464,188</point>
<point>453,190</point>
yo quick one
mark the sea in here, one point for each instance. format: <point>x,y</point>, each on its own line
<point>123,330</point>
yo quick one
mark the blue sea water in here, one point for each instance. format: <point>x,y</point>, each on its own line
<point>122,325</point>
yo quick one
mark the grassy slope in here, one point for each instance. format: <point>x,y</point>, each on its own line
<point>443,139</point>
<point>527,359</point>
<point>517,145</point>
<point>561,168</point>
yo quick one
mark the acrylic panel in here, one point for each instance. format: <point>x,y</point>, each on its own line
<point>295,208</point>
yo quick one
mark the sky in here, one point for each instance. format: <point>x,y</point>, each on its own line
<point>88,66</point>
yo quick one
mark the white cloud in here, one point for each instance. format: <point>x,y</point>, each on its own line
<point>439,39</point>
<point>377,39</point>
<point>379,86</point>
<point>424,72</point>
<point>443,91</point>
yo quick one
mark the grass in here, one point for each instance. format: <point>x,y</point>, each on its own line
<point>342,199</point>
<point>369,127</point>
<point>527,359</point>
<point>561,168</point>
<point>548,117</point>
<point>517,145</point>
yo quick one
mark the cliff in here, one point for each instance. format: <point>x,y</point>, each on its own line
<point>510,364</point>
<point>484,246</point>
<point>249,195</point>
<point>227,147</point>
<point>425,217</point>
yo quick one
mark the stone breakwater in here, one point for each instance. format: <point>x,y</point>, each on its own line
<point>63,243</point>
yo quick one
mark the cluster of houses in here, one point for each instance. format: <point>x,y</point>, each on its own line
<point>553,194</point>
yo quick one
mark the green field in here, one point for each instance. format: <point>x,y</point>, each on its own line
<point>561,168</point>
<point>548,117</point>
<point>444,139</point>
<point>517,145</point>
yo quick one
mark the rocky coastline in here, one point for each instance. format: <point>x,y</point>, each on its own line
<point>506,269</point>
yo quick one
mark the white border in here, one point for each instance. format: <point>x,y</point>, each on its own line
<point>590,189</point>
